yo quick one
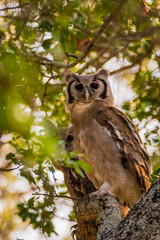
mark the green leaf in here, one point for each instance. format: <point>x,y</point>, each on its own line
<point>79,171</point>
<point>63,193</point>
<point>72,216</point>
<point>84,166</point>
<point>48,228</point>
<point>27,174</point>
<point>31,202</point>
<point>47,43</point>
<point>2,34</point>
<point>155,175</point>
<point>46,25</point>
<point>10,156</point>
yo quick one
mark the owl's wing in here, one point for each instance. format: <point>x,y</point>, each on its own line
<point>77,186</point>
<point>134,156</point>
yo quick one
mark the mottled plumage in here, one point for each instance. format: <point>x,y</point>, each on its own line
<point>119,159</point>
<point>77,186</point>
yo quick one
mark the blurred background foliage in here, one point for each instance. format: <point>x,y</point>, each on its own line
<point>42,41</point>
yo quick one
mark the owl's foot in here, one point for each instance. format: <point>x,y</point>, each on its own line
<point>103,192</point>
<point>73,233</point>
<point>101,195</point>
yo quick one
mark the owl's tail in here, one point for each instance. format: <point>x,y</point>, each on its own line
<point>124,210</point>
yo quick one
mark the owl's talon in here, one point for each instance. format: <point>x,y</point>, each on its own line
<point>73,233</point>
<point>101,195</point>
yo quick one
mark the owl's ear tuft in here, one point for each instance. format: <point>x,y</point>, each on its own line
<point>69,77</point>
<point>103,72</point>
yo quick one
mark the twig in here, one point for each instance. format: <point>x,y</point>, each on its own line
<point>9,169</point>
<point>45,94</point>
<point>123,69</point>
<point>23,25</point>
<point>86,31</point>
<point>11,8</point>
<point>138,60</point>
<point>128,38</point>
<point>132,37</point>
<point>72,55</point>
<point>45,89</point>
<point>17,18</point>
<point>86,65</point>
<point>113,54</point>
<point>91,61</point>
<point>55,195</point>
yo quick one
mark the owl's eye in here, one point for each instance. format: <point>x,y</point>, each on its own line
<point>94,85</point>
<point>79,87</point>
<point>69,138</point>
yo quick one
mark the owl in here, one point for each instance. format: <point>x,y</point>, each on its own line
<point>107,139</point>
<point>77,186</point>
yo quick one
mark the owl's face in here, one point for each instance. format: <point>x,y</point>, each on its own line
<point>87,88</point>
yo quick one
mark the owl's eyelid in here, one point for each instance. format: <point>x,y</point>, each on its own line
<point>78,82</point>
<point>95,81</point>
<point>79,86</point>
<point>100,79</point>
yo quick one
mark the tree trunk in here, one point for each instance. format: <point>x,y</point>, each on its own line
<point>100,219</point>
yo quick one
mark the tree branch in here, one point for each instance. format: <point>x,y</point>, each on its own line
<point>92,60</point>
<point>131,37</point>
<point>9,169</point>
<point>54,196</point>
<point>12,8</point>
<point>23,25</point>
<point>100,219</point>
<point>138,60</point>
<point>46,61</point>
<point>92,213</point>
<point>113,54</point>
<point>143,220</point>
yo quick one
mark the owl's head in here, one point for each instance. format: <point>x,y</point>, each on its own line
<point>87,88</point>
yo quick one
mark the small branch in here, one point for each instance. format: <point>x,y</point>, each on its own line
<point>17,18</point>
<point>23,25</point>
<point>72,55</point>
<point>9,169</point>
<point>11,8</point>
<point>123,69</point>
<point>132,37</point>
<point>138,60</point>
<point>53,196</point>
<point>113,54</point>
<point>45,89</point>
<point>86,31</point>
<point>45,93</point>
<point>92,60</point>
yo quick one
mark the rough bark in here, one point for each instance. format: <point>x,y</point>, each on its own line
<point>96,215</point>
<point>100,219</point>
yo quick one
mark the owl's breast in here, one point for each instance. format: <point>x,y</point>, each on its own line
<point>99,149</point>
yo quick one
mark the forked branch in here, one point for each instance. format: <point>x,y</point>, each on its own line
<point>45,61</point>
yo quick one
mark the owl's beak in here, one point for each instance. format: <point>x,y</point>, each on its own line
<point>86,93</point>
